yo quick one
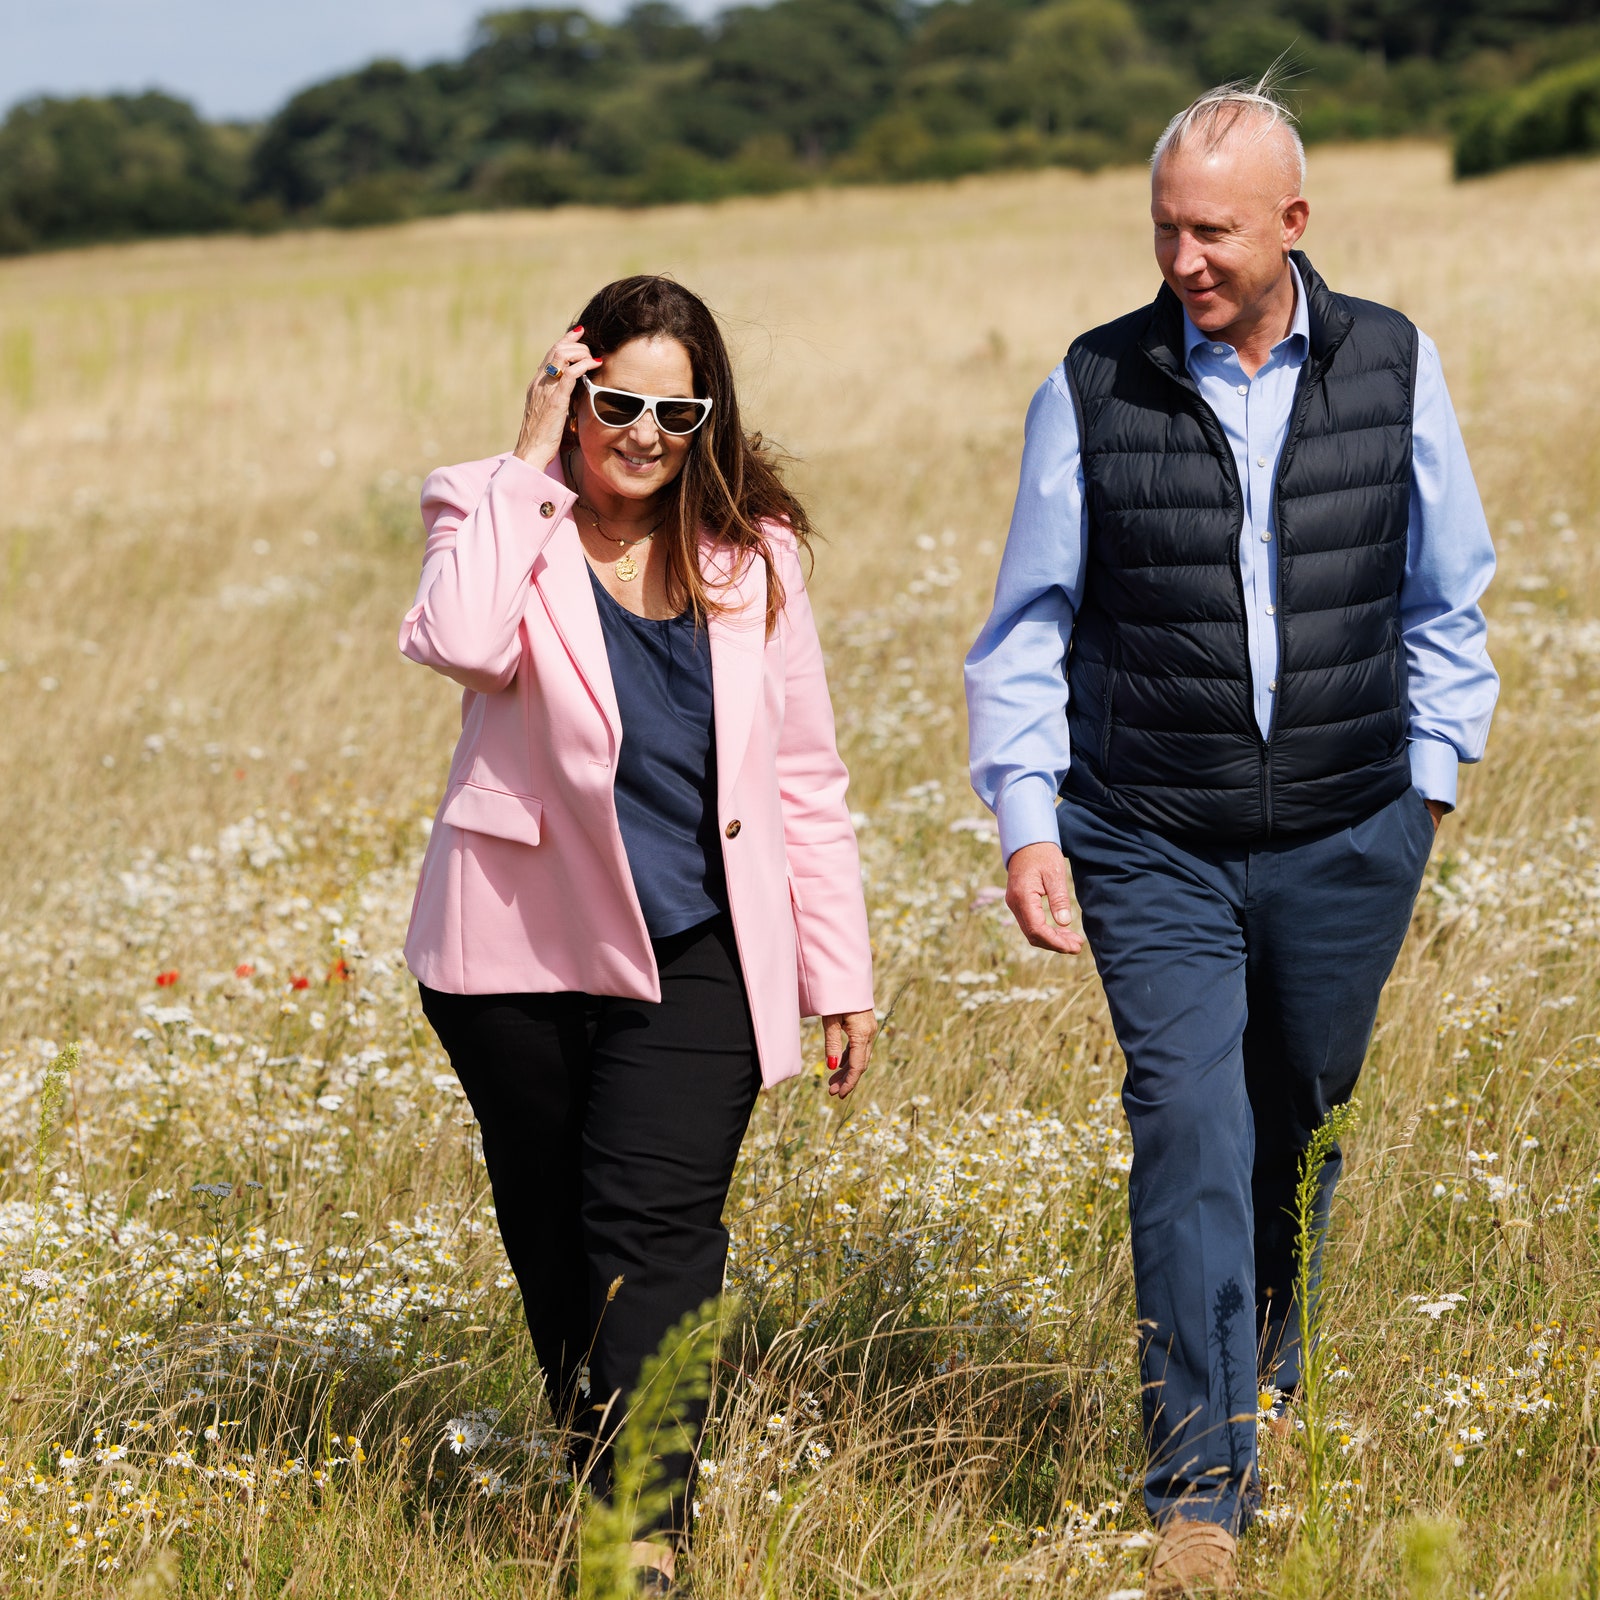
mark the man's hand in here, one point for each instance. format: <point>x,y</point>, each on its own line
<point>1036,878</point>
<point>1437,809</point>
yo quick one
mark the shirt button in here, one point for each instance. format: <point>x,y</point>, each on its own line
<point>548,509</point>
<point>732,830</point>
<point>1272,611</point>
<point>1272,688</point>
<point>1266,536</point>
<point>1244,388</point>
<point>1261,461</point>
<point>1216,349</point>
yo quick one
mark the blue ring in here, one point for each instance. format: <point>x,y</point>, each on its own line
<point>551,370</point>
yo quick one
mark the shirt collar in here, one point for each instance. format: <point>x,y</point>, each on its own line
<point>1299,334</point>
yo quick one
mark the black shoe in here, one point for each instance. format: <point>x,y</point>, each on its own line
<point>651,1583</point>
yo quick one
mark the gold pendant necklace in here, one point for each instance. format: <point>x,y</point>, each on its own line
<point>626,568</point>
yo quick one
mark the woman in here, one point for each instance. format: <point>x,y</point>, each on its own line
<point>643,872</point>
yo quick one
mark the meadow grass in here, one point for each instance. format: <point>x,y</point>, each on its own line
<point>256,1331</point>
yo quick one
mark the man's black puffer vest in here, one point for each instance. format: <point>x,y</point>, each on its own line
<point>1159,711</point>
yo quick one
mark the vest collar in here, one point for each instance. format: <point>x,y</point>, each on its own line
<point>1164,342</point>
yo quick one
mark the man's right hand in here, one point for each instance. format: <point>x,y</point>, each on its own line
<point>1036,878</point>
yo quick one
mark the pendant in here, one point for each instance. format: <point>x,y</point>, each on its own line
<point>627,569</point>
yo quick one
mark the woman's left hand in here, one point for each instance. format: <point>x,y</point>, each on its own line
<point>848,1037</point>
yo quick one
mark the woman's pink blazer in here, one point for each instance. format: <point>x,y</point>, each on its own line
<point>525,886</point>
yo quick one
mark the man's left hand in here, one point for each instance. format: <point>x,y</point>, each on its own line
<point>1436,810</point>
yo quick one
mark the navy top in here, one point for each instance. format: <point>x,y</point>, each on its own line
<point>666,783</point>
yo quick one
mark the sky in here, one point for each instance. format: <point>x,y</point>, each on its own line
<point>231,58</point>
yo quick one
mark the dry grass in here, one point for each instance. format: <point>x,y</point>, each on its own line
<point>215,759</point>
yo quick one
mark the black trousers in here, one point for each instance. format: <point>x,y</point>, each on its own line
<point>610,1131</point>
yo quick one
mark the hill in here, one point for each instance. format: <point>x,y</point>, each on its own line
<point>553,106</point>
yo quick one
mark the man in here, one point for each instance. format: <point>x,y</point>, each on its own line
<point>1236,632</point>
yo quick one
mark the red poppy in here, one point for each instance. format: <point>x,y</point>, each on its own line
<point>244,970</point>
<point>338,972</point>
<point>165,980</point>
<point>297,982</point>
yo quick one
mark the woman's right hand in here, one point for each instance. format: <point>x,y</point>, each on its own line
<point>544,415</point>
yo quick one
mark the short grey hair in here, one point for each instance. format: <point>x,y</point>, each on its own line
<point>1253,110</point>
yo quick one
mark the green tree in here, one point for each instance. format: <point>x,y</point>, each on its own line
<point>385,118</point>
<point>115,168</point>
<point>814,71</point>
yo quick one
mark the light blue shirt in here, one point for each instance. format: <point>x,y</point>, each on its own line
<point>1016,672</point>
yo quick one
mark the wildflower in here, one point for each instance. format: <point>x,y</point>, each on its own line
<point>338,972</point>
<point>165,980</point>
<point>244,970</point>
<point>299,981</point>
<point>465,1434</point>
<point>1436,1308</point>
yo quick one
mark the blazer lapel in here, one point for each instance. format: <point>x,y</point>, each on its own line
<point>561,575</point>
<point>738,641</point>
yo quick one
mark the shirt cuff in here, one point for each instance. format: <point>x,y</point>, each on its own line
<point>1026,812</point>
<point>1433,770</point>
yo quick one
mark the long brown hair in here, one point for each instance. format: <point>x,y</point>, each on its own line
<point>730,483</point>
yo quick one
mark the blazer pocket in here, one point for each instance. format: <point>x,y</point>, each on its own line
<point>496,812</point>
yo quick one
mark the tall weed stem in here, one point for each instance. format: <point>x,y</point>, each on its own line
<point>1310,1223</point>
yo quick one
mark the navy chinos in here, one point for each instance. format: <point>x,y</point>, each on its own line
<point>1243,983</point>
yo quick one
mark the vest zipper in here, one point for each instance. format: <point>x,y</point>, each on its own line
<point>1219,444</point>
<point>1266,788</point>
<point>1310,373</point>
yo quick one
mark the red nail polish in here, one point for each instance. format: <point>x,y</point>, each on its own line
<point>833,1063</point>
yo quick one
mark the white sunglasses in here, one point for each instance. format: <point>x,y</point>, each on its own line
<point>621,408</point>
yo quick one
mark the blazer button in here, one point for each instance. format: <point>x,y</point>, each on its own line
<point>732,830</point>
<point>548,509</point>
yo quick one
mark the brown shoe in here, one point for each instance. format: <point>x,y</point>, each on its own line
<point>1191,1558</point>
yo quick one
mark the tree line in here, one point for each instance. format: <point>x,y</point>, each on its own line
<point>550,106</point>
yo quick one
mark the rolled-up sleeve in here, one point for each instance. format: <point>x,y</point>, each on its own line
<point>1449,562</point>
<point>1016,678</point>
